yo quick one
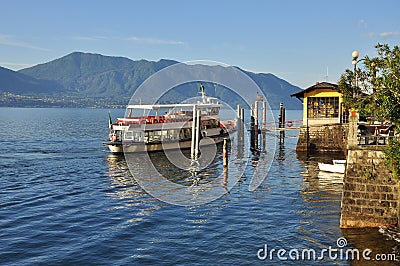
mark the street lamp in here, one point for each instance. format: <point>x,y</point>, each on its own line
<point>355,55</point>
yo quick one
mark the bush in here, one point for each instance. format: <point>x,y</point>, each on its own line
<point>392,156</point>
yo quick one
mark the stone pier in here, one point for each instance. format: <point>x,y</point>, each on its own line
<point>370,195</point>
<point>323,138</point>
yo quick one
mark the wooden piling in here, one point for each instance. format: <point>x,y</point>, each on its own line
<point>264,114</point>
<point>256,112</point>
<point>281,116</point>
<point>192,152</point>
<point>225,153</point>
<point>198,128</point>
<point>252,127</point>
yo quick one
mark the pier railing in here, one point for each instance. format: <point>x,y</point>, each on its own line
<point>376,134</point>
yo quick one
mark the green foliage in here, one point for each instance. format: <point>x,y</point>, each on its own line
<point>378,94</point>
<point>392,156</point>
<point>378,81</point>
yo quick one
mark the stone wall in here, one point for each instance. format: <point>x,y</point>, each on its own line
<point>323,138</point>
<point>370,195</point>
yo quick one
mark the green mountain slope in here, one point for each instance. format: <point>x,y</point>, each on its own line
<point>94,76</point>
<point>19,83</point>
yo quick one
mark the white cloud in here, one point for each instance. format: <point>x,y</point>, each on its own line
<point>154,41</point>
<point>362,23</point>
<point>11,41</point>
<point>141,40</point>
<point>12,65</point>
<point>389,34</point>
<point>386,34</point>
<point>90,38</point>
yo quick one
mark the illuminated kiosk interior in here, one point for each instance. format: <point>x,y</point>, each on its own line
<point>322,104</point>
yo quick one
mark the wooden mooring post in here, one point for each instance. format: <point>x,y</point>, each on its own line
<point>225,152</point>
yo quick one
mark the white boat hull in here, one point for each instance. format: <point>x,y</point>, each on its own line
<point>126,146</point>
<point>333,168</point>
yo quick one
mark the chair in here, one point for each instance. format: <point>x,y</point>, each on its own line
<point>385,133</point>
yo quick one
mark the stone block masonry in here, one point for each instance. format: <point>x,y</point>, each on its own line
<point>323,138</point>
<point>370,195</point>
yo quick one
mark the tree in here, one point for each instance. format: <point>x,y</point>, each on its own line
<point>377,94</point>
<point>378,90</point>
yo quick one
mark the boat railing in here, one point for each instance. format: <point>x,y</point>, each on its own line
<point>151,120</point>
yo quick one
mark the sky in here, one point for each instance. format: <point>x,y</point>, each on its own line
<point>299,41</point>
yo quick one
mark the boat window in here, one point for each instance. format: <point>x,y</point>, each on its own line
<point>137,136</point>
<point>215,110</point>
<point>157,135</point>
<point>173,134</point>
<point>128,135</point>
<point>148,136</point>
<point>185,133</point>
<point>213,123</point>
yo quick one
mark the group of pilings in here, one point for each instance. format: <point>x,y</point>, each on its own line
<point>256,128</point>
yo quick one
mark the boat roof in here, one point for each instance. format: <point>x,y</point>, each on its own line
<point>169,106</point>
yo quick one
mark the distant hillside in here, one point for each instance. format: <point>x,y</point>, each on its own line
<point>276,90</point>
<point>12,81</point>
<point>93,76</point>
<point>97,75</point>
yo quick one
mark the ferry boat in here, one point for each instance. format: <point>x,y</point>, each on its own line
<point>179,127</point>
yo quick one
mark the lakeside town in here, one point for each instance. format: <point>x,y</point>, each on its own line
<point>8,99</point>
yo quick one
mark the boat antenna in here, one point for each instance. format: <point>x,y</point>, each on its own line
<point>109,121</point>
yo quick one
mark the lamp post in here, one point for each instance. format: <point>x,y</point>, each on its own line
<point>373,91</point>
<point>355,55</point>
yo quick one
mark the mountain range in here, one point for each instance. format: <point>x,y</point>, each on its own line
<point>94,80</point>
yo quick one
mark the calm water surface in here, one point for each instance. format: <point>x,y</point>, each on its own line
<point>64,200</point>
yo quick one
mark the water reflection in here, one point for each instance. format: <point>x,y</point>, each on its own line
<point>126,191</point>
<point>146,167</point>
<point>317,180</point>
<point>371,238</point>
<point>122,183</point>
<point>326,189</point>
<point>281,146</point>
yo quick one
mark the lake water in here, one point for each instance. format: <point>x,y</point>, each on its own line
<point>65,200</point>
